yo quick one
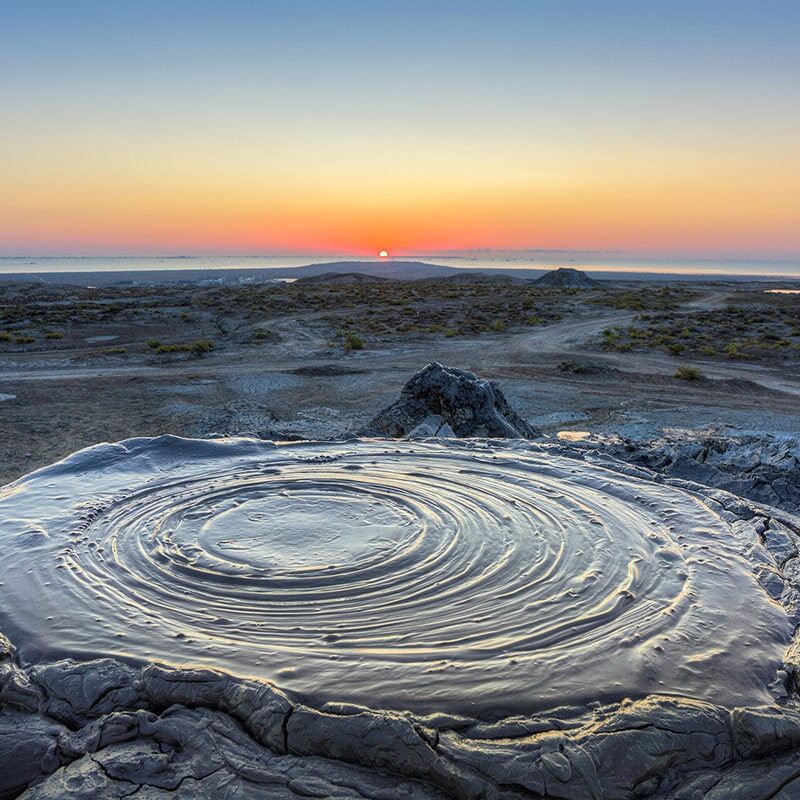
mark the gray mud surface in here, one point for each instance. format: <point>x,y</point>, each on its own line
<point>109,728</point>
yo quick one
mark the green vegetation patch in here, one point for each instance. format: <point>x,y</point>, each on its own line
<point>759,329</point>
<point>688,374</point>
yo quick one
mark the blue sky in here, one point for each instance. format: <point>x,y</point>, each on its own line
<point>365,91</point>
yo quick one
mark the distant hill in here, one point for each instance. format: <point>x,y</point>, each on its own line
<point>399,270</point>
<point>566,278</point>
<point>342,278</point>
<point>500,278</point>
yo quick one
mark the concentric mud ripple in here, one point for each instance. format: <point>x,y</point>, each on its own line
<point>468,579</point>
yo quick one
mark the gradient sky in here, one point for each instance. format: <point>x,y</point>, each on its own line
<point>335,125</point>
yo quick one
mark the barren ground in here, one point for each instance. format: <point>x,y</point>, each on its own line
<point>282,360</point>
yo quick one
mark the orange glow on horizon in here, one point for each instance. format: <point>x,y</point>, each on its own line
<point>400,128</point>
<point>224,208</point>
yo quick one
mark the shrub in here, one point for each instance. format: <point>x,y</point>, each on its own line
<point>688,373</point>
<point>708,351</point>
<point>199,348</point>
<point>24,339</point>
<point>54,335</point>
<point>352,342</point>
<point>610,336</point>
<point>675,348</point>
<point>5,336</point>
<point>202,346</point>
<point>732,350</point>
<point>172,348</point>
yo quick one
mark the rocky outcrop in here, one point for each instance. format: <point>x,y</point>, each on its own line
<point>103,729</point>
<point>764,468</point>
<point>444,401</point>
<point>566,278</point>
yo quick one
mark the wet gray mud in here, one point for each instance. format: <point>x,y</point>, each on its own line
<point>382,619</point>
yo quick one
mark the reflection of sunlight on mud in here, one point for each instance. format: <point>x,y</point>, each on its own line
<point>361,569</point>
<point>573,436</point>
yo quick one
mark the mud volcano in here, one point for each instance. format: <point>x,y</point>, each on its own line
<point>473,579</point>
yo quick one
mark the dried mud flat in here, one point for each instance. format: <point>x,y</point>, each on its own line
<point>80,366</point>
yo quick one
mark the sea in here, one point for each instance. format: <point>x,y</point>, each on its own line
<point>607,264</point>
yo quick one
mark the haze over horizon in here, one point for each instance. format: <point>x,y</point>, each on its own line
<point>300,127</point>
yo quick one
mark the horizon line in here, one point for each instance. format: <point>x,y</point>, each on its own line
<point>349,255</point>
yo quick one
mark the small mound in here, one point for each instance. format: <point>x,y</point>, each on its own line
<point>567,278</point>
<point>446,399</point>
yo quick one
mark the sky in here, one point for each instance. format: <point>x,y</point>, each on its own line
<point>290,126</point>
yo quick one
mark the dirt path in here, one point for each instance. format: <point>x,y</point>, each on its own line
<point>573,337</point>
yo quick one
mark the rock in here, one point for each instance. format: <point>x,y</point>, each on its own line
<point>760,467</point>
<point>380,740</point>
<point>77,692</point>
<point>7,652</point>
<point>566,278</point>
<point>193,733</point>
<point>195,753</point>
<point>764,731</point>
<point>434,425</point>
<point>18,691</point>
<point>28,751</point>
<point>439,396</point>
<point>647,743</point>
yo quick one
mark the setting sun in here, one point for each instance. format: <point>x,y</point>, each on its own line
<point>383,254</point>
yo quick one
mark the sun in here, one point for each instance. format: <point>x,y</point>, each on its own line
<point>383,254</point>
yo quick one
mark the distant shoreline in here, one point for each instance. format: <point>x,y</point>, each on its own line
<point>395,269</point>
<point>106,270</point>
